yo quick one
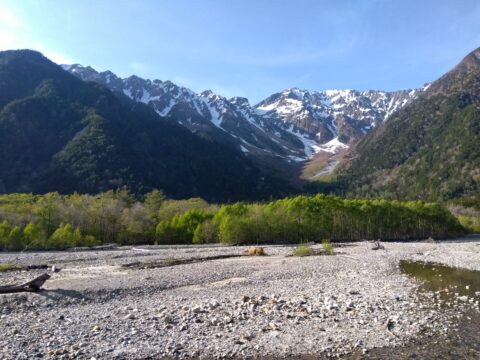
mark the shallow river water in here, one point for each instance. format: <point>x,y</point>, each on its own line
<point>450,283</point>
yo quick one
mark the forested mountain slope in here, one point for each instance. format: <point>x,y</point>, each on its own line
<point>430,149</point>
<point>58,133</point>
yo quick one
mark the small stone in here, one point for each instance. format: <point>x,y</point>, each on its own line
<point>213,305</point>
<point>273,326</point>
<point>129,317</point>
<point>247,337</point>
<point>274,333</point>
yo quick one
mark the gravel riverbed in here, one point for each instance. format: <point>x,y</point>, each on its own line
<point>271,306</point>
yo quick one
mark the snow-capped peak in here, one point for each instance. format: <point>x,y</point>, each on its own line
<point>293,124</point>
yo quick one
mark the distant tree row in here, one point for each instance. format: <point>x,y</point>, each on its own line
<point>313,218</point>
<point>53,221</point>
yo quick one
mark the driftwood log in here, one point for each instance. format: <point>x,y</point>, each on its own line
<point>31,286</point>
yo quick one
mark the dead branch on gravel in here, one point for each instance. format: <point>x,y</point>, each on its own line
<point>17,267</point>
<point>174,261</point>
<point>377,245</point>
<point>31,286</point>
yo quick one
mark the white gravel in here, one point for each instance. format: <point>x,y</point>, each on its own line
<point>275,305</point>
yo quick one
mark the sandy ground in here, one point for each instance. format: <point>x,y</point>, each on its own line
<point>272,306</point>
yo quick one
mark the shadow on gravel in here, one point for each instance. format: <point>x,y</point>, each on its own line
<point>55,293</point>
<point>174,261</point>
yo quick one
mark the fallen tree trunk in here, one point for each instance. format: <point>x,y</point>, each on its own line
<point>31,286</point>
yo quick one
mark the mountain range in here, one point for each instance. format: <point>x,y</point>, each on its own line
<point>71,128</point>
<point>288,127</point>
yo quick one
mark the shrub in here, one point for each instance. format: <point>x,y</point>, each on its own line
<point>302,250</point>
<point>9,267</point>
<point>327,246</point>
<point>255,251</point>
<point>470,222</point>
<point>65,237</point>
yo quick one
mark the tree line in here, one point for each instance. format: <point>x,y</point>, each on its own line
<point>54,221</point>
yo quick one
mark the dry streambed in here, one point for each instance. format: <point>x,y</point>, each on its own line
<point>228,306</point>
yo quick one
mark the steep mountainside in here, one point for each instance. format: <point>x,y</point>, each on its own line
<point>428,150</point>
<point>58,133</point>
<point>290,126</point>
<point>228,121</point>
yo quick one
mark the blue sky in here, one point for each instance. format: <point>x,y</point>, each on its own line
<point>251,48</point>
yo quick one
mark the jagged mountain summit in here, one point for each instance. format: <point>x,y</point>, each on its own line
<point>343,114</point>
<point>290,126</point>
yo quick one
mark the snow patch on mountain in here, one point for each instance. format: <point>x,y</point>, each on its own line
<point>310,146</point>
<point>294,124</point>
<point>333,146</point>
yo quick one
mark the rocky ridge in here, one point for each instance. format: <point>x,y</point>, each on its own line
<point>292,125</point>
